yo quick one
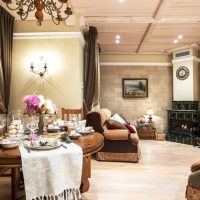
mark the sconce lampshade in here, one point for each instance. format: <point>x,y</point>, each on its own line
<point>41,67</point>
<point>150,112</point>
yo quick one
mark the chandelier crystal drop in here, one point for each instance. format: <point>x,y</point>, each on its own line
<point>51,7</point>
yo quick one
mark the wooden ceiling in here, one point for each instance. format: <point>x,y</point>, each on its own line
<point>145,26</point>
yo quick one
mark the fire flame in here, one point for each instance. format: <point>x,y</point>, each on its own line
<point>184,126</point>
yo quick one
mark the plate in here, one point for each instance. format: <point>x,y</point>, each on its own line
<point>86,132</point>
<point>44,147</point>
<point>53,130</point>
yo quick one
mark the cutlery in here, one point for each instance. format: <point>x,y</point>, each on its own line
<point>28,150</point>
<point>63,146</point>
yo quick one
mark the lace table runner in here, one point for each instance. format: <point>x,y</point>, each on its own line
<point>52,174</point>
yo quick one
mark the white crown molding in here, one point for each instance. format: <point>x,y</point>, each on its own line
<point>193,46</point>
<point>188,58</point>
<point>45,35</point>
<point>155,64</point>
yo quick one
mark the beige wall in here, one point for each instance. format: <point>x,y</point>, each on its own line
<point>26,26</point>
<point>160,92</point>
<point>63,81</point>
<point>196,82</point>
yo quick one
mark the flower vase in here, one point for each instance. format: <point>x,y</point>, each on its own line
<point>40,125</point>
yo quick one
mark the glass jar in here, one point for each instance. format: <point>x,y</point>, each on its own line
<point>15,123</point>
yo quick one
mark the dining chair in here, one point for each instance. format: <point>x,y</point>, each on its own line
<point>67,113</point>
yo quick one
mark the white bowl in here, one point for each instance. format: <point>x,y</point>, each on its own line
<point>9,144</point>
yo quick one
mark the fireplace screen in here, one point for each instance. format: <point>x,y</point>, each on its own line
<point>181,126</point>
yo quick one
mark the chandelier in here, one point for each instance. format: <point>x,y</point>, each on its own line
<point>50,7</point>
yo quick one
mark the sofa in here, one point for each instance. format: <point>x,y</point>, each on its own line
<point>119,143</point>
<point>193,187</point>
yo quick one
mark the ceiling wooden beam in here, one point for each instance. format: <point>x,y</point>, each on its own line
<point>138,20</point>
<point>161,8</point>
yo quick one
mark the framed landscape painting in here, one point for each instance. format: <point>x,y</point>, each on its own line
<point>135,87</point>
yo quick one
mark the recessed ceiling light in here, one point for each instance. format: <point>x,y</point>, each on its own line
<point>121,0</point>
<point>118,37</point>
<point>117,41</point>
<point>175,41</point>
<point>180,37</point>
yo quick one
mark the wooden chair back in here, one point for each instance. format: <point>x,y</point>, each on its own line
<point>67,113</point>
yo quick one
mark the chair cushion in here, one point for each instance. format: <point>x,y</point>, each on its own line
<point>130,128</point>
<point>195,166</point>
<point>113,124</point>
<point>122,116</point>
<point>118,118</point>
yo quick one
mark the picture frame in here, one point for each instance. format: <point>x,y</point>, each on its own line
<point>135,87</point>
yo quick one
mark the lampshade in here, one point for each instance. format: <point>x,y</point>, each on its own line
<point>150,111</point>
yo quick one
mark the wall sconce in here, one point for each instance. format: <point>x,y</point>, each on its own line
<point>41,69</point>
<point>150,113</point>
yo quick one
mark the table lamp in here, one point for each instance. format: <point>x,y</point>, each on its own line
<point>150,113</point>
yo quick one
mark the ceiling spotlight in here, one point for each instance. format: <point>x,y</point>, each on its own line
<point>180,37</point>
<point>118,37</point>
<point>175,41</point>
<point>117,41</point>
<point>121,0</point>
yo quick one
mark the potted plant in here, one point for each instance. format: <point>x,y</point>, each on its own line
<point>160,136</point>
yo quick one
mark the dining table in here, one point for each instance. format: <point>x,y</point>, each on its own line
<point>90,144</point>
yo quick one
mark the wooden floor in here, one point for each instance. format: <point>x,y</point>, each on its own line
<point>160,175</point>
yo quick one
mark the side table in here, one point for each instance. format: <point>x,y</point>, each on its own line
<point>146,131</point>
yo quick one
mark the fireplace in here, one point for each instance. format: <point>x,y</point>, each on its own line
<point>183,122</point>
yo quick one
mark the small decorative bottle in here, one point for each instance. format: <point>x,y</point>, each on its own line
<point>40,124</point>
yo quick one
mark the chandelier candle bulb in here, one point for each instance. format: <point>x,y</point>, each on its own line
<point>21,6</point>
<point>68,5</point>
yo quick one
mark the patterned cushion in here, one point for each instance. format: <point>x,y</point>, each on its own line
<point>118,118</point>
<point>195,166</point>
<point>192,193</point>
<point>122,116</point>
<point>130,128</point>
<point>113,124</point>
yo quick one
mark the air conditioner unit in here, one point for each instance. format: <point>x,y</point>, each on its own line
<point>181,54</point>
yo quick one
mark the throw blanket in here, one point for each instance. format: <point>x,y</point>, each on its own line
<point>52,174</point>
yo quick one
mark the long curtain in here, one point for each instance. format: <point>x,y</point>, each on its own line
<point>6,41</point>
<point>91,69</point>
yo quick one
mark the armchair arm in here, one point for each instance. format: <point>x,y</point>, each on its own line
<point>116,134</point>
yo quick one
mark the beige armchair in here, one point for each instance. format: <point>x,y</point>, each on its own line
<point>193,187</point>
<point>119,144</point>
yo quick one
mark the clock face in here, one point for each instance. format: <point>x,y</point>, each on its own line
<point>182,73</point>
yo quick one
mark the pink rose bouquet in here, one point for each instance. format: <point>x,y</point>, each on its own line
<point>37,104</point>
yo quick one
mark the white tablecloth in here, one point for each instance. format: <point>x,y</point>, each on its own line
<point>52,173</point>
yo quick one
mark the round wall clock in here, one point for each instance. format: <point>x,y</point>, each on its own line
<point>182,73</point>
